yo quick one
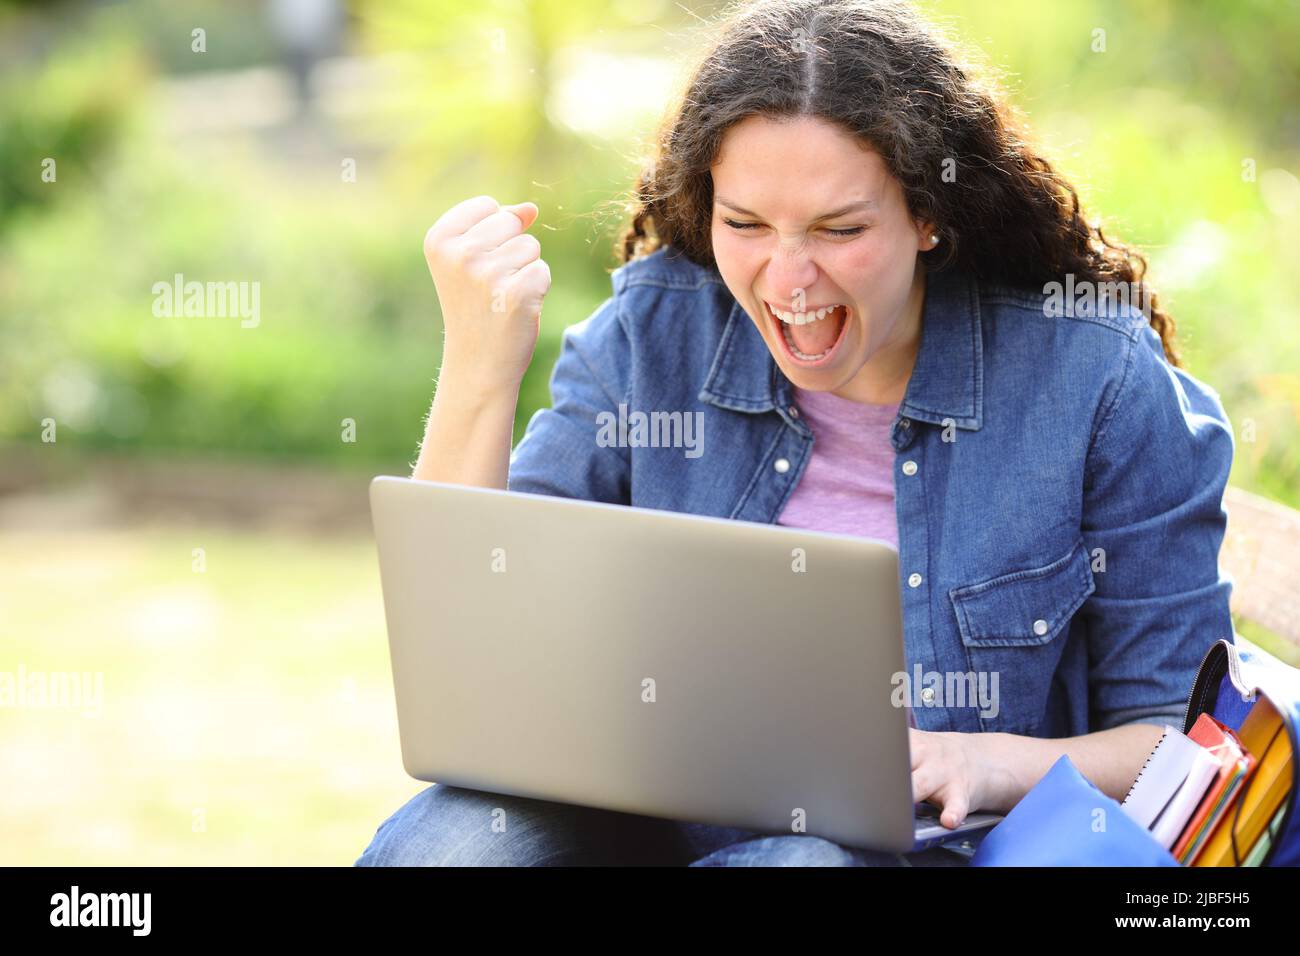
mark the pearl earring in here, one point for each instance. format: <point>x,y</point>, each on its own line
<point>934,240</point>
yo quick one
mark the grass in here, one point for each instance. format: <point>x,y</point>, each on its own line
<point>1274,644</point>
<point>247,713</point>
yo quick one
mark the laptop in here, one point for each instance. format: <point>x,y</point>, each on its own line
<point>692,668</point>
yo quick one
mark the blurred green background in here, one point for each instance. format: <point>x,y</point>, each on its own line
<point>307,147</point>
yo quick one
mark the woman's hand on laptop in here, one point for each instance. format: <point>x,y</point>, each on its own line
<point>491,280</point>
<point>957,773</point>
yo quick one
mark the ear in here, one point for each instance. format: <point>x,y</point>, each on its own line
<point>925,229</point>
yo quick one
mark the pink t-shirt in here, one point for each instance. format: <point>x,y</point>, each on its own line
<point>848,486</point>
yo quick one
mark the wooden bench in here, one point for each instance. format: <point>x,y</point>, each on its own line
<point>1261,551</point>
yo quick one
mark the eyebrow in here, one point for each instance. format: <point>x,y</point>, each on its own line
<point>859,204</point>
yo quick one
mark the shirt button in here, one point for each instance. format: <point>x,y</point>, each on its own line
<point>914,580</point>
<point>909,468</point>
<point>794,411</point>
<point>927,695</point>
<point>1040,627</point>
<point>782,466</point>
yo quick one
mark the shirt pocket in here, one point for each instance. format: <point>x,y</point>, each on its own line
<point>1009,626</point>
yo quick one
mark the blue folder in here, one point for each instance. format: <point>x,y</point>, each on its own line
<point>1066,821</point>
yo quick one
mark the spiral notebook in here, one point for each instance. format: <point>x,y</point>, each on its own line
<point>1166,771</point>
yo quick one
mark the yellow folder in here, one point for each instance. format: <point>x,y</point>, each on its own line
<point>1264,736</point>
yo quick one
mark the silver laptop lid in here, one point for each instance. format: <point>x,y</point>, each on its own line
<point>686,667</point>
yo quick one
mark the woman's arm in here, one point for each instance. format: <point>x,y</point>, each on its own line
<point>1110,759</point>
<point>490,281</point>
<point>1153,522</point>
<point>1153,509</point>
<point>468,434</point>
<point>963,772</point>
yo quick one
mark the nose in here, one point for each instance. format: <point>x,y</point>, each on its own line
<point>790,270</point>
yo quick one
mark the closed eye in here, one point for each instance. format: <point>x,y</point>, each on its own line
<point>745,226</point>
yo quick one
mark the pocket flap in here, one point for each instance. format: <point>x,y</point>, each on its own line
<point>1024,607</point>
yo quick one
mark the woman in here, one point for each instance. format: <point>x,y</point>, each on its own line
<point>896,322</point>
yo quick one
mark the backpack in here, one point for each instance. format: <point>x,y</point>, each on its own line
<point>1056,823</point>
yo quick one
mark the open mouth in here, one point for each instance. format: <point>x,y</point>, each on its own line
<point>811,341</point>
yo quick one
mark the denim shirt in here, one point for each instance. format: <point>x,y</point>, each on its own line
<point>1058,484</point>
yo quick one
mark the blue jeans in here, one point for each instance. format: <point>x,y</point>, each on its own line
<point>455,826</point>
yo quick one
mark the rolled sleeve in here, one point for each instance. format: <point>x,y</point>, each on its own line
<point>1153,505</point>
<point>559,453</point>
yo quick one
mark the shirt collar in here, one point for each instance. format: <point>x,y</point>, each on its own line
<point>947,380</point>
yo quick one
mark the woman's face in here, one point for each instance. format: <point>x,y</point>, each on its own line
<point>774,184</point>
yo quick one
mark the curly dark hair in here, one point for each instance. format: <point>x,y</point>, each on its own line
<point>879,70</point>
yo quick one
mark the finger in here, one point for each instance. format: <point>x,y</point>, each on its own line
<point>922,788</point>
<point>516,253</point>
<point>463,216</point>
<point>531,284</point>
<point>491,231</point>
<point>533,281</point>
<point>526,211</point>
<point>954,811</point>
